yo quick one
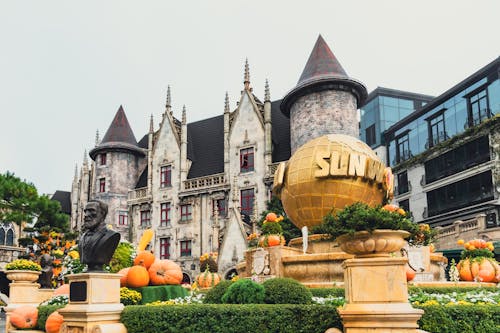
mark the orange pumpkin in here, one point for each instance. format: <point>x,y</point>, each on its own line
<point>480,269</point>
<point>273,240</point>
<point>24,316</point>
<point>207,279</point>
<point>62,290</point>
<point>137,277</point>
<point>123,279</point>
<point>164,272</point>
<point>390,208</point>
<point>144,258</point>
<point>54,322</point>
<point>410,273</point>
<point>271,217</point>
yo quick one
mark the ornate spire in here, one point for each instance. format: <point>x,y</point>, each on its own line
<point>151,124</point>
<point>267,94</point>
<point>226,104</point>
<point>184,114</point>
<point>169,98</point>
<point>247,75</point>
<point>96,137</point>
<point>85,160</point>
<point>76,170</point>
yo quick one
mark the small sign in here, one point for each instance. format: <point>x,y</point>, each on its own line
<point>78,291</point>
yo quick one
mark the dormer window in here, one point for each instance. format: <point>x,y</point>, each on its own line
<point>246,160</point>
<point>166,176</point>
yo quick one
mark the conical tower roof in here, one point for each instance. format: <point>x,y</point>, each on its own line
<point>323,72</point>
<point>322,62</point>
<point>118,137</point>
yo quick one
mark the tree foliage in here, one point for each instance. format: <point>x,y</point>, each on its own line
<point>20,202</point>
<point>290,231</point>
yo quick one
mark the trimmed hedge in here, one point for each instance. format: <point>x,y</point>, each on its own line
<point>460,318</point>
<point>230,318</point>
<point>324,292</point>
<point>44,312</point>
<point>214,295</point>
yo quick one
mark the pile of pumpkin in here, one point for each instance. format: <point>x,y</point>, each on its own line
<point>149,270</point>
<point>208,277</point>
<point>25,317</point>
<point>272,232</point>
<point>477,262</point>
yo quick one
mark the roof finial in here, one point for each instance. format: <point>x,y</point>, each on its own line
<point>267,94</point>
<point>96,137</point>
<point>76,170</point>
<point>85,161</point>
<point>151,124</point>
<point>226,103</point>
<point>184,114</point>
<point>247,75</point>
<point>169,98</point>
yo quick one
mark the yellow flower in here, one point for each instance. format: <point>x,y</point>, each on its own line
<point>74,254</point>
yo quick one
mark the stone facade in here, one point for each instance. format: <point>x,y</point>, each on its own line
<point>320,113</point>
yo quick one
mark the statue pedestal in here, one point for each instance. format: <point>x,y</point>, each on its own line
<point>377,296</point>
<point>94,304</point>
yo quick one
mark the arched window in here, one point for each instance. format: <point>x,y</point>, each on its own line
<point>10,237</point>
<point>2,236</point>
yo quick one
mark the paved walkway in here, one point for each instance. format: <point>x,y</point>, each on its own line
<point>2,321</point>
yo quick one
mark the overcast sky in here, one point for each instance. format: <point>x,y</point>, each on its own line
<point>67,66</point>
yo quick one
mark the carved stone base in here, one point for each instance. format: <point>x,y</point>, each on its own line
<point>94,305</point>
<point>377,297</point>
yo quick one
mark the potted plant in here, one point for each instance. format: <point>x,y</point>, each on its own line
<point>369,231</point>
<point>23,271</point>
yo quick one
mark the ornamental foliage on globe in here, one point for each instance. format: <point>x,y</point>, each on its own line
<point>329,173</point>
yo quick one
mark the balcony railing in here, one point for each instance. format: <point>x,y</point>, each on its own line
<point>138,194</point>
<point>205,182</point>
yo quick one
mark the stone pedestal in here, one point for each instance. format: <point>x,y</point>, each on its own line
<point>377,296</point>
<point>94,304</point>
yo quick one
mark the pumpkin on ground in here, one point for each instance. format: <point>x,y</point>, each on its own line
<point>164,272</point>
<point>24,316</point>
<point>123,279</point>
<point>144,258</point>
<point>137,277</point>
<point>207,279</point>
<point>54,322</point>
<point>62,290</point>
<point>479,269</point>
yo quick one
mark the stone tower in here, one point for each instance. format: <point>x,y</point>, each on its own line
<point>325,100</point>
<point>118,160</point>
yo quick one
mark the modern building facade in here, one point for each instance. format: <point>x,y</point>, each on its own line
<point>444,153</point>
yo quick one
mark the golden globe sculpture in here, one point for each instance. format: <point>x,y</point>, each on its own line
<point>329,173</point>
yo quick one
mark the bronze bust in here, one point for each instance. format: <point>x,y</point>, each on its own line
<point>97,243</point>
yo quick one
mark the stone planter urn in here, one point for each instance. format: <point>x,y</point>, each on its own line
<point>378,243</point>
<point>22,276</point>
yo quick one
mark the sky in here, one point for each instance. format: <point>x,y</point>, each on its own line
<point>67,66</point>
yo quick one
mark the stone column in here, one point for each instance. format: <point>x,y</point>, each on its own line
<point>94,304</point>
<point>377,296</point>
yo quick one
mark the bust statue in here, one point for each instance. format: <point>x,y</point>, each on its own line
<point>97,243</point>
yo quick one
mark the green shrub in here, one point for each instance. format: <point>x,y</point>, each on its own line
<point>448,290</point>
<point>270,228</point>
<point>286,291</point>
<point>324,292</point>
<point>43,312</point>
<point>229,318</point>
<point>214,295</point>
<point>244,291</point>
<point>460,318</point>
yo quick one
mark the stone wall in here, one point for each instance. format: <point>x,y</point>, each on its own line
<point>320,113</point>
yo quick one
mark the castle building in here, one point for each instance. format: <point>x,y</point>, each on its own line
<point>201,186</point>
